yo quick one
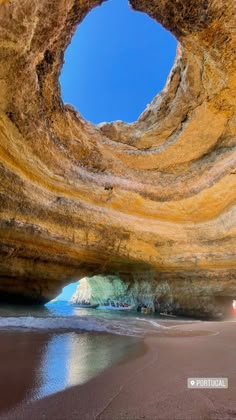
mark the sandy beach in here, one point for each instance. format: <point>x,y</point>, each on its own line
<point>153,383</point>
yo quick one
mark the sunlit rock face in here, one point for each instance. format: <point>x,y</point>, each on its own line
<point>185,294</point>
<point>100,289</point>
<point>157,196</point>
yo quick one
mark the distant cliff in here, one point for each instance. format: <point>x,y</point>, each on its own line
<point>99,289</point>
<point>190,296</point>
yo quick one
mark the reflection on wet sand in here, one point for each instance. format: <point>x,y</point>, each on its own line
<point>74,358</point>
<point>35,364</point>
<point>90,354</point>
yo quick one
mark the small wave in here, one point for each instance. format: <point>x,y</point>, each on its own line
<point>156,325</point>
<point>152,322</point>
<point>70,323</point>
<point>132,326</point>
<point>49,323</point>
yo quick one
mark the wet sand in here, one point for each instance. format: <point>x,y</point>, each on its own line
<point>153,384</point>
<point>19,358</point>
<point>35,364</point>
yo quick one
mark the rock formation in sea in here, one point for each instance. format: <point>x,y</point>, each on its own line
<point>150,200</point>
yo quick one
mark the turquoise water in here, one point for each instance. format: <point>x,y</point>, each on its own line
<point>62,316</point>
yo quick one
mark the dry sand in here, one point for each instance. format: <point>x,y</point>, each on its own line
<point>153,385</point>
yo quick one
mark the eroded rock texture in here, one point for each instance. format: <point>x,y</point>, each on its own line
<point>157,196</point>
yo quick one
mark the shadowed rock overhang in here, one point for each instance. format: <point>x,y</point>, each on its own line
<point>156,196</point>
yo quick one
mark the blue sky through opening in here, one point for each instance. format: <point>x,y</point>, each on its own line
<point>117,62</point>
<point>68,291</point>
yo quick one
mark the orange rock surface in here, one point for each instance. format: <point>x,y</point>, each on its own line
<point>155,197</point>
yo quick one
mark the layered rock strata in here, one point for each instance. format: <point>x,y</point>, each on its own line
<point>156,196</point>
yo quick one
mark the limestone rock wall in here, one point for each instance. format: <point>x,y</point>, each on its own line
<point>154,196</point>
<point>99,289</point>
<point>186,294</point>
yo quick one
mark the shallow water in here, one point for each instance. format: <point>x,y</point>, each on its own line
<point>63,316</point>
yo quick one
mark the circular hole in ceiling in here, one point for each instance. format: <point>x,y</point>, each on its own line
<point>117,62</point>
